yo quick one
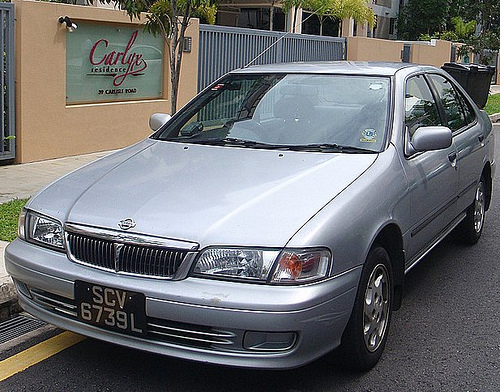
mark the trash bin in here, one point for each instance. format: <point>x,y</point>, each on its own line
<point>474,78</point>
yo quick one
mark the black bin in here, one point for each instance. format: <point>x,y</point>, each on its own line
<point>474,78</point>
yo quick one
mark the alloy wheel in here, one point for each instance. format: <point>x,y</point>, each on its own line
<point>376,307</point>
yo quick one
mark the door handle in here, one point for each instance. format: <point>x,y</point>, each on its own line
<point>453,159</point>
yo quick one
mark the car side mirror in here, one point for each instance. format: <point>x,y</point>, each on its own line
<point>431,138</point>
<point>157,120</point>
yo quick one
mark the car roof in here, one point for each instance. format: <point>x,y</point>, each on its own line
<point>335,67</point>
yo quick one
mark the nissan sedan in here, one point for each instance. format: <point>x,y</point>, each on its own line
<point>267,223</point>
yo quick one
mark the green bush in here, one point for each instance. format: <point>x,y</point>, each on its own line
<point>9,215</point>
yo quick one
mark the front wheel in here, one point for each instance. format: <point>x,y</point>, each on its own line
<point>366,333</point>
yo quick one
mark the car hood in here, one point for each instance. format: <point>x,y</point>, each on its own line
<point>211,195</point>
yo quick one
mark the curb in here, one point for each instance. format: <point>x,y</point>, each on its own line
<point>9,305</point>
<point>495,117</point>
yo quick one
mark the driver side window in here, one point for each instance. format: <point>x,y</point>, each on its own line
<point>420,107</point>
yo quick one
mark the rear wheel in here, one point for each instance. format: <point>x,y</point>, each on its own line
<point>366,333</point>
<point>471,228</point>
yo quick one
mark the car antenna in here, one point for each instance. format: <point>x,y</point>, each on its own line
<point>276,42</point>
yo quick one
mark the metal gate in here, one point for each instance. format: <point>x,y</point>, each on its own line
<point>494,62</point>
<point>488,57</point>
<point>7,102</point>
<point>406,53</point>
<point>223,49</point>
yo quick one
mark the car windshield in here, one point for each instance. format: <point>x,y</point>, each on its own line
<point>326,113</point>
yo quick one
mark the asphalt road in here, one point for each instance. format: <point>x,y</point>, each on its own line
<point>446,337</point>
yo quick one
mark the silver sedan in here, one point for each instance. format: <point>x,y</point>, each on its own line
<point>269,222</point>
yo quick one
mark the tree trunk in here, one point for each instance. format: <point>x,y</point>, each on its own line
<point>176,51</point>
<point>271,17</point>
<point>294,19</point>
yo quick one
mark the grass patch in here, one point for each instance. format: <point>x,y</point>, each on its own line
<point>9,215</point>
<point>493,104</point>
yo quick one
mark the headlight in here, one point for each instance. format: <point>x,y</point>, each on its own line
<point>289,266</point>
<point>236,263</point>
<point>42,230</point>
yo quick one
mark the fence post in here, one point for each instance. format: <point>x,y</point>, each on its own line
<point>7,93</point>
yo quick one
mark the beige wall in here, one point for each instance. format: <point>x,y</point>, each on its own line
<point>48,128</point>
<point>372,49</point>
<point>431,55</point>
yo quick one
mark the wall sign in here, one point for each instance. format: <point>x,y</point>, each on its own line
<point>112,63</point>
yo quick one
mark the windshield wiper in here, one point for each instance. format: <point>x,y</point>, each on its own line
<point>247,143</point>
<point>317,147</point>
<point>230,141</point>
<point>328,147</point>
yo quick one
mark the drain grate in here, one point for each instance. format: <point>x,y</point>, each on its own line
<point>18,326</point>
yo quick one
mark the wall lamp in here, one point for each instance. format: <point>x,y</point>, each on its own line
<point>70,25</point>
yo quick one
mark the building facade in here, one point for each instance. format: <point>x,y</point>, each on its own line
<point>269,15</point>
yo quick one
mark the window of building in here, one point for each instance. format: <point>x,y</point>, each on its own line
<point>259,18</point>
<point>392,25</point>
<point>384,3</point>
<point>311,25</point>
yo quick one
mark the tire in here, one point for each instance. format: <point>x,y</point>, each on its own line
<point>366,333</point>
<point>470,229</point>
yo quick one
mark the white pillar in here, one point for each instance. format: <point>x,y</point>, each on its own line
<point>298,21</point>
<point>348,27</point>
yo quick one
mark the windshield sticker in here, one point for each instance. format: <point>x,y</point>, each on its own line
<point>376,86</point>
<point>369,136</point>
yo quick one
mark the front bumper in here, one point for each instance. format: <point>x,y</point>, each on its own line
<point>195,319</point>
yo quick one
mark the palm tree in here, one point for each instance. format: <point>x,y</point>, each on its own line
<point>359,10</point>
<point>295,4</point>
<point>463,29</point>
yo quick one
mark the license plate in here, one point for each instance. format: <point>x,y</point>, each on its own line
<point>110,308</point>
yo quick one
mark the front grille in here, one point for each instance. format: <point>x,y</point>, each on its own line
<point>188,334</point>
<point>123,257</point>
<point>53,302</point>
<point>98,252</point>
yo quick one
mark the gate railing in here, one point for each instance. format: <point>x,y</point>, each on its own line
<point>7,101</point>
<point>223,49</point>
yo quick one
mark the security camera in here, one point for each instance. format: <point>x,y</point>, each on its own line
<point>70,25</point>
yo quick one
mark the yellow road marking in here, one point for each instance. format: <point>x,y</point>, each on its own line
<point>38,353</point>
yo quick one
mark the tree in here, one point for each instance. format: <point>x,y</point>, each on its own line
<point>486,36</point>
<point>463,30</point>
<point>295,4</point>
<point>419,17</point>
<point>359,10</point>
<point>170,18</point>
<point>430,18</point>
<point>322,9</point>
